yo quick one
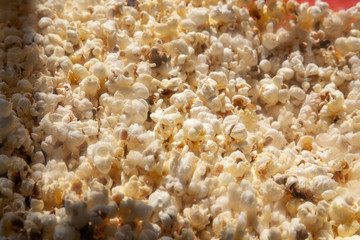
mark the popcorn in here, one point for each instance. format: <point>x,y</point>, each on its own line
<point>110,113</point>
<point>80,72</point>
<point>147,235</point>
<point>44,22</point>
<point>63,231</point>
<point>265,65</point>
<point>220,78</point>
<point>343,209</point>
<point>134,111</point>
<point>17,168</point>
<point>269,93</point>
<point>37,205</point>
<point>99,70</point>
<point>272,233</point>
<point>27,186</point>
<point>276,138</point>
<point>90,85</point>
<point>335,104</point>
<point>321,184</point>
<point>124,232</point>
<point>298,229</point>
<point>193,129</point>
<point>199,16</point>
<point>130,209</point>
<point>102,155</point>
<point>270,41</point>
<point>348,229</point>
<point>248,200</point>
<point>10,224</point>
<point>96,198</point>
<point>220,221</point>
<point>159,200</point>
<point>77,213</point>
<point>222,14</point>
<point>4,163</point>
<point>197,216</point>
<point>272,191</point>
<point>332,25</point>
<point>238,132</point>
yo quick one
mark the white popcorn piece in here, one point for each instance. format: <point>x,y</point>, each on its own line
<point>27,186</point>
<point>353,43</point>
<point>73,36</point>
<point>341,45</point>
<point>134,111</point>
<point>306,213</point>
<point>77,213</point>
<point>68,47</point>
<point>68,232</point>
<point>96,198</point>
<point>248,200</point>
<point>265,65</point>
<point>80,72</point>
<point>199,16</point>
<point>220,221</point>
<point>222,14</point>
<point>127,210</point>
<point>90,85</point>
<point>193,129</point>
<point>270,41</point>
<point>45,22</point>
<point>98,214</point>
<point>102,156</point>
<point>276,137</point>
<point>37,205</point>
<point>140,90</point>
<point>272,191</point>
<point>297,93</point>
<point>343,209</point>
<point>321,184</point>
<point>197,216</point>
<point>75,139</point>
<point>269,93</point>
<point>287,73</point>
<point>348,229</point>
<point>220,78</point>
<point>238,132</point>
<point>99,70</point>
<point>17,168</point>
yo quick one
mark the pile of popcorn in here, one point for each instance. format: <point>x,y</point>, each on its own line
<point>172,119</point>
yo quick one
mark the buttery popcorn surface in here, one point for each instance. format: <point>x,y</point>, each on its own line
<point>146,119</point>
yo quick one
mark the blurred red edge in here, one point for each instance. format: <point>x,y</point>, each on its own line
<point>335,5</point>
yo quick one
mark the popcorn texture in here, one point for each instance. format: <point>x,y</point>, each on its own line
<point>205,120</point>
